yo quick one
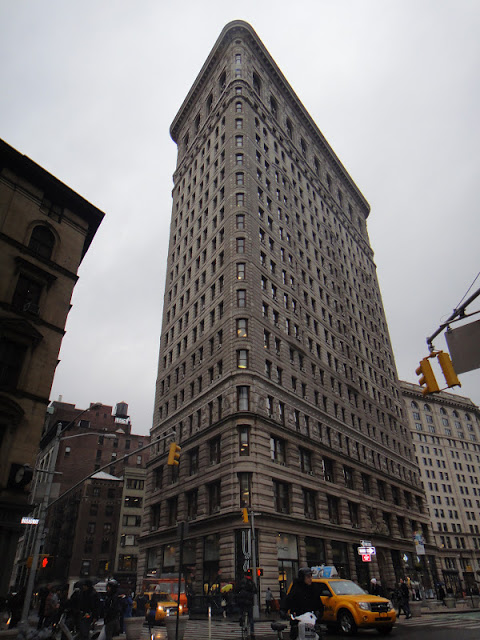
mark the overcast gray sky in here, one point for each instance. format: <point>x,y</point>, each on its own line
<point>89,90</point>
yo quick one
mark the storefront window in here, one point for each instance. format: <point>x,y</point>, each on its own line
<point>287,553</point>
<point>340,558</point>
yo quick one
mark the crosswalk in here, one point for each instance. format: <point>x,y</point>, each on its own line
<point>218,630</point>
<point>230,630</point>
<point>450,621</point>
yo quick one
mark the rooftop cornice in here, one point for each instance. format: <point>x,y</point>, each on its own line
<point>239,28</point>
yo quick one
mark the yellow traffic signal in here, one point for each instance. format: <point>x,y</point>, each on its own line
<point>245,514</point>
<point>174,455</point>
<point>445,363</point>
<point>427,377</point>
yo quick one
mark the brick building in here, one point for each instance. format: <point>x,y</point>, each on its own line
<point>45,231</point>
<point>275,367</point>
<point>84,542</point>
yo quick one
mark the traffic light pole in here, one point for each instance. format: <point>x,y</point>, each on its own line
<point>256,608</point>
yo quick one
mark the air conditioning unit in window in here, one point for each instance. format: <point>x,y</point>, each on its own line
<point>310,473</point>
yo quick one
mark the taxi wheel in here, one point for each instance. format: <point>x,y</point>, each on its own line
<point>346,622</point>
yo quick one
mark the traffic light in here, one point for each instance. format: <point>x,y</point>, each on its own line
<point>174,455</point>
<point>245,514</point>
<point>248,573</point>
<point>448,370</point>
<point>427,377</point>
<point>44,561</point>
<point>259,572</point>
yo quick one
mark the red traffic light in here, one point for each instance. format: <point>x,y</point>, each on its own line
<point>45,562</point>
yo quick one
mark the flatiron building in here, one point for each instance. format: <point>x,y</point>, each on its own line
<point>276,369</point>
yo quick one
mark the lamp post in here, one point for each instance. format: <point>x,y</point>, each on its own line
<point>40,527</point>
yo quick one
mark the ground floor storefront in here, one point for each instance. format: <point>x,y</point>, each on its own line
<point>212,560</point>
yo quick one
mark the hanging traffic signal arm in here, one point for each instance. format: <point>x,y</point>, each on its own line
<point>174,455</point>
<point>427,377</point>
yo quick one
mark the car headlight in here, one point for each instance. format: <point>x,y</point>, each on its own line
<point>160,608</point>
<point>180,608</point>
<point>390,604</point>
<point>364,605</point>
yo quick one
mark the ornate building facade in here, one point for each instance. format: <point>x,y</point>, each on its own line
<point>45,232</point>
<point>276,368</point>
<point>446,437</point>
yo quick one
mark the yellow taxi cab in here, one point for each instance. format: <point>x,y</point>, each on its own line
<point>348,607</point>
<point>164,606</point>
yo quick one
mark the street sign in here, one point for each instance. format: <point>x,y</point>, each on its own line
<point>366,557</point>
<point>27,520</point>
<point>369,550</point>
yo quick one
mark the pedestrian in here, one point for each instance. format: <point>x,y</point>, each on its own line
<point>405,597</point>
<point>141,600</point>
<point>14,606</point>
<point>303,597</point>
<point>85,608</point>
<point>43,593</point>
<point>441,594</point>
<point>268,600</point>
<point>52,604</point>
<point>111,616</point>
<point>245,594</point>
<point>375,588</point>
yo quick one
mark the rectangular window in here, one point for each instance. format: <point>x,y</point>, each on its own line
<point>240,245</point>
<point>242,328</point>
<point>240,271</point>
<point>239,199</point>
<point>244,440</point>
<point>328,472</point>
<point>309,506</point>
<point>243,394</point>
<point>333,512</point>
<point>214,450</point>
<point>241,298</point>
<point>278,450</point>
<point>244,481</point>
<point>214,490</point>
<point>239,141</point>
<point>192,502</point>
<point>242,359</point>
<point>281,496</point>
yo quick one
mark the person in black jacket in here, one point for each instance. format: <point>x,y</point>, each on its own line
<point>244,597</point>
<point>304,596</point>
<point>111,616</point>
<point>84,605</point>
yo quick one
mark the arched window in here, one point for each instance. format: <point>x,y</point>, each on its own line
<point>42,241</point>
<point>427,408</point>
<point>442,411</point>
<point>414,405</point>
<point>455,414</point>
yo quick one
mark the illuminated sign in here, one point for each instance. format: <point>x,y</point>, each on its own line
<point>27,520</point>
<point>366,557</point>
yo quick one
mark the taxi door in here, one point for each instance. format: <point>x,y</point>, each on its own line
<point>328,600</point>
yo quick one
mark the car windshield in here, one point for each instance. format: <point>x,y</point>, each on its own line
<point>346,588</point>
<point>164,596</point>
